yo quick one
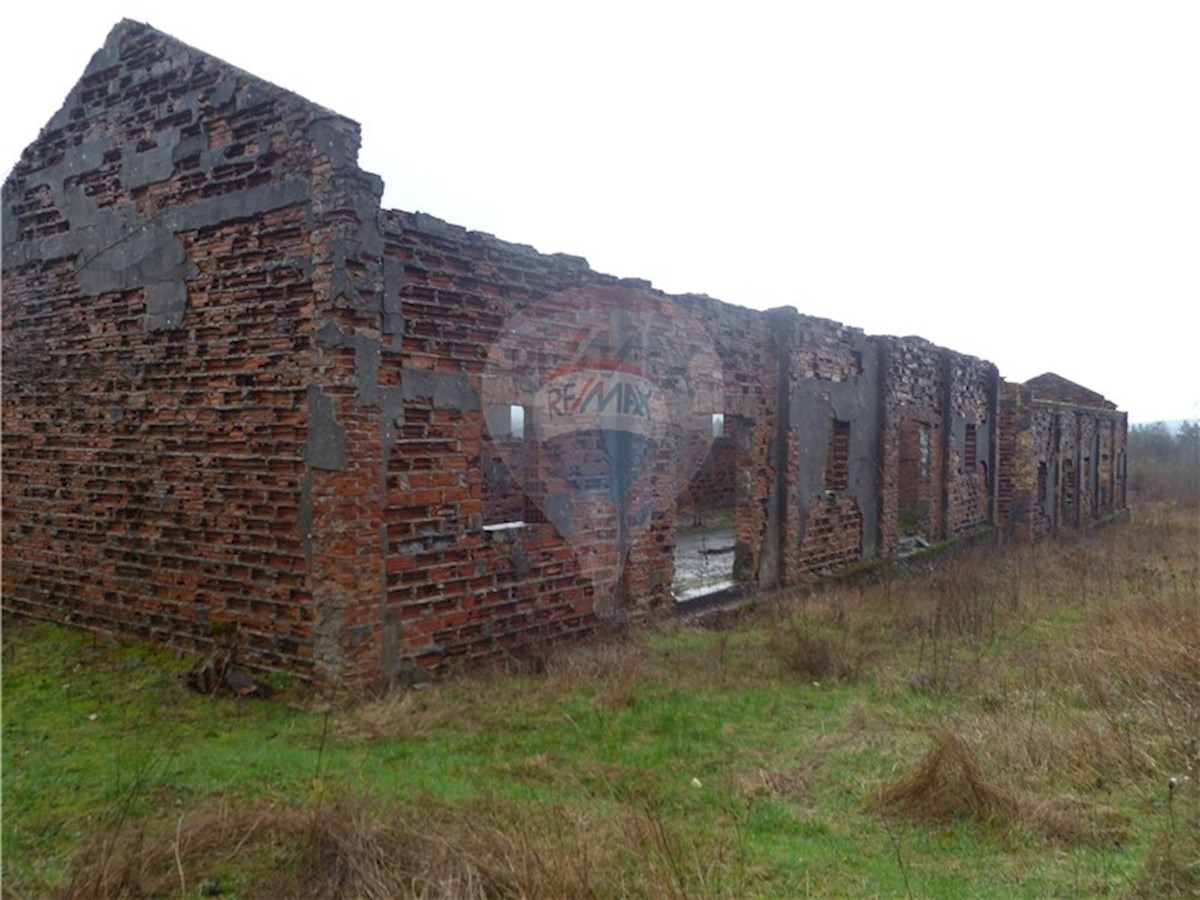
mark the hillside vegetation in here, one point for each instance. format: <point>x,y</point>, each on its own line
<point>996,721</point>
<point>1164,463</point>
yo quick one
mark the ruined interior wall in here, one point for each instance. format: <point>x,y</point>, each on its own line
<point>973,387</point>
<point>1066,454</point>
<point>1016,468</point>
<point>746,345</point>
<point>457,586</point>
<point>1089,458</point>
<point>1046,489</point>
<point>715,485</point>
<point>940,407</point>
<point>911,392</point>
<point>833,379</point>
<point>236,391</point>
<point>452,589</point>
<point>158,297</point>
<point>1076,458</point>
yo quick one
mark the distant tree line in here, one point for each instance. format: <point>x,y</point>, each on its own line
<point>1165,464</point>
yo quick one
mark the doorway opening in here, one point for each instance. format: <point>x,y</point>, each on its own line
<point>704,541</point>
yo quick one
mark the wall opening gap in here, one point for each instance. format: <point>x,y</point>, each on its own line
<point>704,539</point>
<point>915,471</point>
<point>506,459</point>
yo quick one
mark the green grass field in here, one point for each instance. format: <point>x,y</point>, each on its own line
<point>988,723</point>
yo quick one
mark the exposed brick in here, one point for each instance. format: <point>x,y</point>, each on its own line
<point>237,390</point>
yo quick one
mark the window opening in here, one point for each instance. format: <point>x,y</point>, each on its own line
<point>506,421</point>
<point>502,462</point>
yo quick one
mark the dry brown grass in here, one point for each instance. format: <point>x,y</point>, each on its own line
<point>400,713</point>
<point>791,783</point>
<point>1142,669</point>
<point>1109,697</point>
<point>348,848</point>
<point>610,667</point>
<point>950,783</point>
<point>1065,676</point>
<point>824,636</point>
<point>1081,750</point>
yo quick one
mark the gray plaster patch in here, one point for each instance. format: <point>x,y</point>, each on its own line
<point>768,561</point>
<point>240,204</point>
<point>8,227</point>
<point>520,559</point>
<point>391,403</point>
<point>334,142</point>
<point>166,303</point>
<point>326,438</point>
<point>251,95</point>
<point>132,256</point>
<point>393,312</point>
<point>559,512</point>
<point>330,335</point>
<point>127,251</point>
<point>367,359</point>
<point>152,166</point>
<point>446,390</point>
<point>368,356</point>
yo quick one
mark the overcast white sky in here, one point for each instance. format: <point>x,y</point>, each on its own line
<point>1016,180</point>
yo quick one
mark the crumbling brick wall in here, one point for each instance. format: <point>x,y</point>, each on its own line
<point>938,467</point>
<point>1065,468</point>
<point>972,386</point>
<point>745,342</point>
<point>833,426</point>
<point>457,584</point>
<point>158,295</point>
<point>237,391</point>
<point>911,467</point>
<point>1014,462</point>
<point>714,486</point>
<point>179,446</point>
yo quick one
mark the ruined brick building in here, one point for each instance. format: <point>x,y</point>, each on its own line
<point>236,389</point>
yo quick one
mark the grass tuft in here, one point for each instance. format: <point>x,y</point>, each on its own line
<point>350,847</point>
<point>948,783</point>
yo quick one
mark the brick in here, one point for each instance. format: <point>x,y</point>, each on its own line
<point>236,389</point>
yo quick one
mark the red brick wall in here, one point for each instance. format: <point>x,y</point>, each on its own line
<point>834,536</point>
<point>714,486</point>
<point>1056,438</point>
<point>912,391</point>
<point>235,390</point>
<point>973,386</point>
<point>457,589</point>
<point>832,379</point>
<point>939,392</point>
<point>157,328</point>
<point>746,343</point>
<point>1013,462</point>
